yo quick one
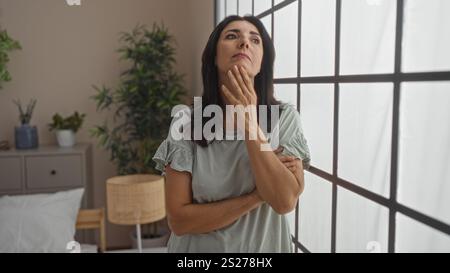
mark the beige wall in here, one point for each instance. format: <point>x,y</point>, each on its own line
<point>68,49</point>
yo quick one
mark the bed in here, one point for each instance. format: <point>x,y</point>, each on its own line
<point>48,222</point>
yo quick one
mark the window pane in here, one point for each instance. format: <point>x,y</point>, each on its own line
<point>245,7</point>
<point>317,116</point>
<point>285,41</point>
<point>315,214</point>
<point>286,93</point>
<point>362,225</point>
<point>365,118</point>
<point>291,220</point>
<point>231,7</point>
<point>220,10</point>
<point>262,5</point>
<point>367,36</point>
<point>413,236</point>
<point>277,2</point>
<point>424,153</point>
<point>426,37</point>
<point>317,50</point>
<point>267,22</point>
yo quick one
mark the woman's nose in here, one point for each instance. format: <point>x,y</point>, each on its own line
<point>243,43</point>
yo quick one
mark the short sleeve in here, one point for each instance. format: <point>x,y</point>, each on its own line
<point>291,134</point>
<point>177,153</point>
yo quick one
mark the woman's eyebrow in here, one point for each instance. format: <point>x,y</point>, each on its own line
<point>239,31</point>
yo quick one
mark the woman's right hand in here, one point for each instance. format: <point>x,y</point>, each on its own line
<point>293,164</point>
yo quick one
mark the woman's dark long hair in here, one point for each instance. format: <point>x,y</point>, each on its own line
<point>263,80</point>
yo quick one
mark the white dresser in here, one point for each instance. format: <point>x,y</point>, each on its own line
<point>48,168</point>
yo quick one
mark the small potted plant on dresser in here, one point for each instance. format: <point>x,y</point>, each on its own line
<point>26,136</point>
<point>66,128</point>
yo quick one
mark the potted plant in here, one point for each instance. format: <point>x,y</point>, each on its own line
<point>143,101</point>
<point>66,128</point>
<point>26,136</point>
<point>7,44</point>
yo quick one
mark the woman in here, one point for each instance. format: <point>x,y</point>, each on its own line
<point>229,196</point>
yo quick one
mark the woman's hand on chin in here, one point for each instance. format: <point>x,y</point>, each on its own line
<point>242,94</point>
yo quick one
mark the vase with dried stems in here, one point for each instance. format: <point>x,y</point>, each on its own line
<point>26,135</point>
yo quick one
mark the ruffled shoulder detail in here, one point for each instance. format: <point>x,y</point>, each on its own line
<point>175,150</point>
<point>178,155</point>
<point>292,137</point>
<point>297,146</point>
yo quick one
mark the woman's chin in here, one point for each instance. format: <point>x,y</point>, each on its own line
<point>243,63</point>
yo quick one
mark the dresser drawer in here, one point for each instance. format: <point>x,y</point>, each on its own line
<point>54,171</point>
<point>10,173</point>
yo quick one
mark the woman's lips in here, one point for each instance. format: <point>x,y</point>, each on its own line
<point>242,55</point>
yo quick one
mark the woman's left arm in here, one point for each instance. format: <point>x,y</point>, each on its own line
<point>276,184</point>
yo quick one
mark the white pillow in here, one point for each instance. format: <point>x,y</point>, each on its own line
<point>39,222</point>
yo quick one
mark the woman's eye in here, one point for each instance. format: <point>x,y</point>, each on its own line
<point>230,36</point>
<point>233,36</point>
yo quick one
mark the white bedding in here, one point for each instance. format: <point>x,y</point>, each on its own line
<point>39,222</point>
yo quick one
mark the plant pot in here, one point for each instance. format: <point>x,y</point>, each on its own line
<point>66,138</point>
<point>26,137</point>
<point>159,241</point>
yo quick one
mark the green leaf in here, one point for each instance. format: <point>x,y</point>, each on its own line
<point>72,122</point>
<point>7,45</point>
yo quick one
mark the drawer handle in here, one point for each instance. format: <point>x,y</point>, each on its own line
<point>53,172</point>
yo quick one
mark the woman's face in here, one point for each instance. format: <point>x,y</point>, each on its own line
<point>240,43</point>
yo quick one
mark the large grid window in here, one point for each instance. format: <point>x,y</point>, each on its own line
<point>371,79</point>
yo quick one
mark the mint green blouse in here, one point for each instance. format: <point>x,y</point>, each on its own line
<point>222,171</point>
